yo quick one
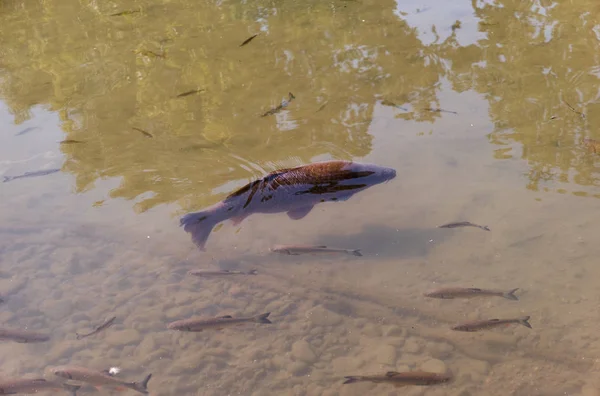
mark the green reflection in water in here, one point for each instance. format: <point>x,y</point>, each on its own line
<point>115,81</point>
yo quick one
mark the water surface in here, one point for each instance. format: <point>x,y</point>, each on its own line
<point>516,83</point>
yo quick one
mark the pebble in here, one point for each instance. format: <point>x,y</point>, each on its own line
<point>123,337</point>
<point>386,354</point>
<point>434,366</point>
<point>321,316</point>
<point>301,350</point>
<point>411,345</point>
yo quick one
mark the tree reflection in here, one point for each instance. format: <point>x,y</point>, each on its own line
<point>111,76</point>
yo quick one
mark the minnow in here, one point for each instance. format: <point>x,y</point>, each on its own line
<point>470,292</point>
<point>248,40</point>
<point>283,105</point>
<point>202,273</point>
<point>148,135</point>
<point>294,250</point>
<point>491,323</point>
<point>294,191</point>
<point>13,386</point>
<point>43,172</point>
<point>149,54</point>
<point>22,336</point>
<point>105,325</point>
<point>422,378</point>
<point>99,378</point>
<point>218,323</point>
<point>386,102</point>
<point>464,224</point>
<point>188,93</point>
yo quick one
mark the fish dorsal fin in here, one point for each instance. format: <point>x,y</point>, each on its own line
<point>391,373</point>
<point>475,289</point>
<point>299,213</point>
<point>225,317</point>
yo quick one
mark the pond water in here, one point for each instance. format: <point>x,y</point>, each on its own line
<point>153,109</point>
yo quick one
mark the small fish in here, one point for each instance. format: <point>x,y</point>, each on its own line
<point>188,93</point>
<point>22,336</point>
<point>99,378</point>
<point>220,272</point>
<point>13,386</point>
<point>422,378</point>
<point>248,40</point>
<point>294,250</point>
<point>128,12</point>
<point>71,141</point>
<point>43,172</point>
<point>440,110</point>
<point>491,323</point>
<point>469,292</point>
<point>283,105</point>
<point>24,131</point>
<point>148,135</point>
<point>464,224</point>
<point>573,109</point>
<point>218,323</point>
<point>105,325</point>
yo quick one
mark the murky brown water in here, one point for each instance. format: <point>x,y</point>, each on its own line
<point>518,82</point>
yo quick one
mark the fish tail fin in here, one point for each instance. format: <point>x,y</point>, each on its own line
<point>510,295</point>
<point>352,379</point>
<point>199,225</point>
<point>525,321</point>
<point>262,318</point>
<point>6,179</point>
<point>356,252</point>
<point>252,272</point>
<point>78,336</point>
<point>142,386</point>
<point>72,388</point>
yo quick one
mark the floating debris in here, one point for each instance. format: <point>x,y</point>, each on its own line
<point>470,292</point>
<point>491,323</point>
<point>31,174</point>
<point>464,224</point>
<point>147,134</point>
<point>248,40</point>
<point>283,105</point>
<point>188,93</point>
<point>98,329</point>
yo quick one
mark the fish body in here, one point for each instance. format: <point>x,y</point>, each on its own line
<point>491,323</point>
<point>31,174</point>
<point>98,329</point>
<point>22,336</point>
<point>421,378</point>
<point>208,273</point>
<point>294,250</point>
<point>200,324</point>
<point>464,224</point>
<point>294,191</point>
<point>470,292</point>
<point>71,141</point>
<point>99,378</point>
<point>26,130</point>
<point>13,386</point>
<point>248,40</point>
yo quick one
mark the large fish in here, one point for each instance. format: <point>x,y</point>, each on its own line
<point>100,378</point>
<point>295,191</point>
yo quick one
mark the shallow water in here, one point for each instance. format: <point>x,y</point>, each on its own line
<point>519,81</point>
